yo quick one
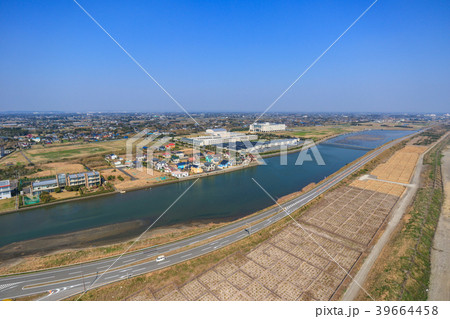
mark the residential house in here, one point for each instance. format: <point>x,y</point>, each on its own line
<point>182,165</point>
<point>196,169</point>
<point>129,163</point>
<point>223,164</point>
<point>142,158</point>
<point>180,154</point>
<point>179,174</point>
<point>209,166</point>
<point>160,165</point>
<point>216,159</point>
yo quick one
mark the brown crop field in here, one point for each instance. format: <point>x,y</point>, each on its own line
<point>143,178</point>
<point>400,166</point>
<point>58,167</point>
<point>380,186</point>
<point>398,169</point>
<point>307,262</point>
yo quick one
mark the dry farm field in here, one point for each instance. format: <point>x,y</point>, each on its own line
<point>299,263</point>
<point>142,178</point>
<point>310,258</point>
<point>388,177</point>
<point>400,166</point>
<point>58,167</point>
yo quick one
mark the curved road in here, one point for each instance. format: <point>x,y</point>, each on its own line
<point>67,281</point>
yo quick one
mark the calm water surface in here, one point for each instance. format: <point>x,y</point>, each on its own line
<point>226,196</point>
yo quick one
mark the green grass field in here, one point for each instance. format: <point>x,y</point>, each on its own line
<point>53,155</point>
<point>7,204</point>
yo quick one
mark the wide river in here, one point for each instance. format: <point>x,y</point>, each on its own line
<point>226,196</point>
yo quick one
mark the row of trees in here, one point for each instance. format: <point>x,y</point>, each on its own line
<point>113,177</point>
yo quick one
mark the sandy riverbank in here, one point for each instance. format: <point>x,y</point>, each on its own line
<point>93,243</point>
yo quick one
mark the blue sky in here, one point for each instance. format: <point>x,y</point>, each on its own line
<point>225,55</point>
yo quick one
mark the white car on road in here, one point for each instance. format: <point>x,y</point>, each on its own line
<point>160,258</point>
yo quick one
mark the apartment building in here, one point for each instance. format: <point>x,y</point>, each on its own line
<point>88,179</point>
<point>5,189</point>
<point>93,179</point>
<point>48,185</point>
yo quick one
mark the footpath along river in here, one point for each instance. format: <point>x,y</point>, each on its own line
<point>221,197</point>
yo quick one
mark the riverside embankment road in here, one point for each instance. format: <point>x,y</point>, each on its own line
<point>68,281</point>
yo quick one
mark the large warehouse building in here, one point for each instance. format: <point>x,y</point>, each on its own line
<point>267,127</point>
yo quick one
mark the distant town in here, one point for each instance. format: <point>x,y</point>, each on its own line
<point>49,157</point>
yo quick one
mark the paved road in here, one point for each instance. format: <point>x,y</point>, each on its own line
<point>126,173</point>
<point>67,281</point>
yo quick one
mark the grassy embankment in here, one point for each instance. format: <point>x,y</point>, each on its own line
<point>402,272</point>
<point>7,204</point>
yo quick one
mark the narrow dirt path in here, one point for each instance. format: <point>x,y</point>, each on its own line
<point>26,157</point>
<point>440,255</point>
